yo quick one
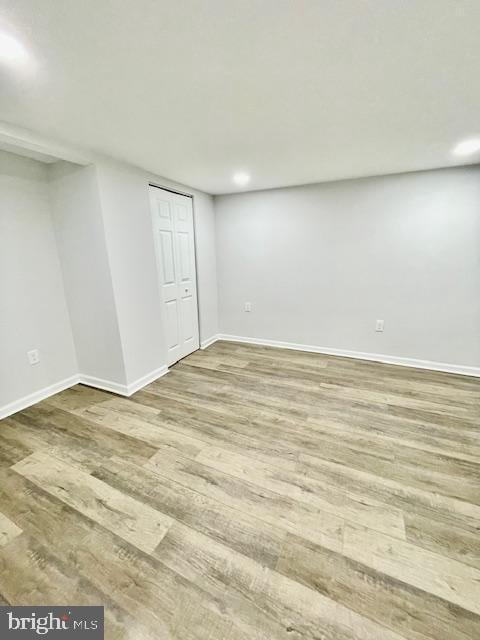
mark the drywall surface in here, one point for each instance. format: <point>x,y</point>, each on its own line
<point>321,263</point>
<point>204,215</point>
<point>127,219</point>
<point>129,241</point>
<point>88,284</point>
<point>104,231</point>
<point>33,311</point>
<point>102,294</point>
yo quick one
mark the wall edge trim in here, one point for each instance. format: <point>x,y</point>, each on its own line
<point>79,378</point>
<point>138,384</point>
<point>127,390</point>
<point>37,396</point>
<point>206,343</point>
<point>414,363</point>
<point>104,385</point>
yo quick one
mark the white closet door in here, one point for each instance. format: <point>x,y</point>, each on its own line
<point>174,240</point>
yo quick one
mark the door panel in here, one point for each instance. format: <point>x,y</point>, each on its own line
<point>164,209</point>
<point>188,313</point>
<point>184,256</point>
<point>174,233</point>
<point>171,307</point>
<point>182,211</point>
<point>167,257</point>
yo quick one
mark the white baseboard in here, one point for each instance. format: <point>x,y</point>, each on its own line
<point>209,341</point>
<point>105,385</point>
<point>133,387</point>
<point>37,396</point>
<point>359,355</point>
<point>90,381</point>
<point>124,389</point>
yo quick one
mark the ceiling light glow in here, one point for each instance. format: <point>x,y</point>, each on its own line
<point>241,178</point>
<point>11,50</point>
<point>467,147</point>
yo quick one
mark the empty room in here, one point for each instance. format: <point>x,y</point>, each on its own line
<point>240,319</point>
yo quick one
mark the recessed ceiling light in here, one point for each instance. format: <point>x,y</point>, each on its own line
<point>11,50</point>
<point>467,147</point>
<point>241,178</point>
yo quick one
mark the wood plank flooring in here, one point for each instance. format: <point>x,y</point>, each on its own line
<point>252,493</point>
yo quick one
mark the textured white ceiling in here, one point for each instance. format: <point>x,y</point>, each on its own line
<point>291,91</point>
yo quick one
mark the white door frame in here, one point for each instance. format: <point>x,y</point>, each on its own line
<point>188,195</point>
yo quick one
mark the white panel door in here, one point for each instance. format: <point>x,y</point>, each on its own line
<point>175,246</point>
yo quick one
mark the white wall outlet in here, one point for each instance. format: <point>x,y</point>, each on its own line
<point>33,356</point>
<point>379,324</point>
<point>248,306</point>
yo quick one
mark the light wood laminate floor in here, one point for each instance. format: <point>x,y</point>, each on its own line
<point>252,493</point>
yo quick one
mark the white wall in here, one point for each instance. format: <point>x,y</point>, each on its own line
<point>104,230</point>
<point>33,311</point>
<point>124,195</point>
<point>88,282</point>
<point>321,263</point>
<point>205,246</point>
<point>129,240</point>
<point>99,304</point>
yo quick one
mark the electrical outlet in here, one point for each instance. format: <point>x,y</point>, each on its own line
<point>33,356</point>
<point>379,324</point>
<point>248,306</point>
